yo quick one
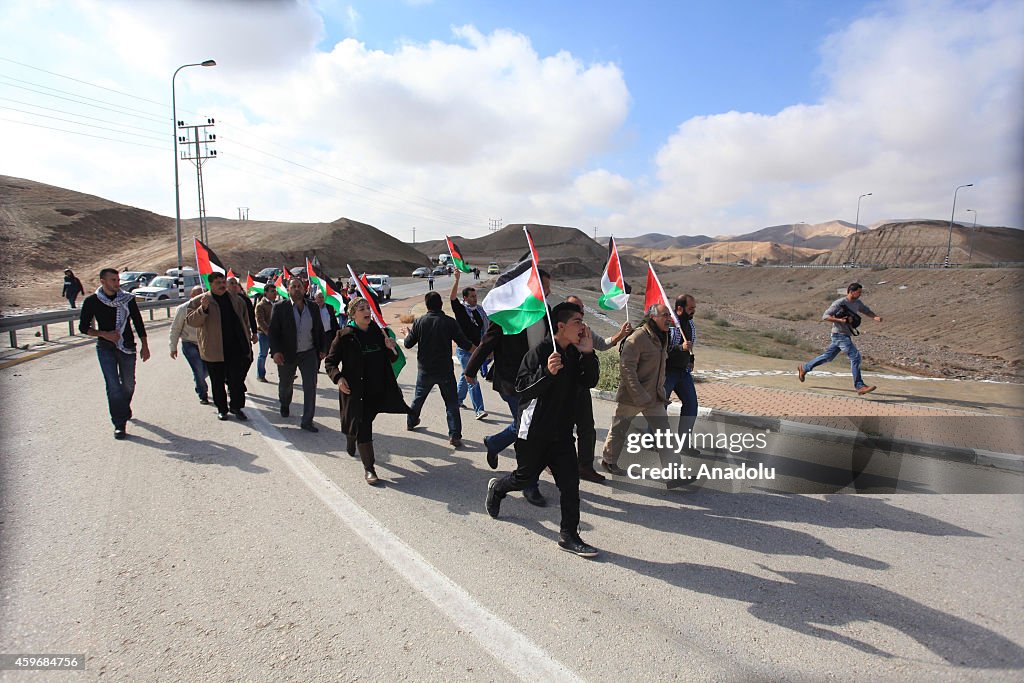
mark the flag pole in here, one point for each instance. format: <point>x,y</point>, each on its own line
<point>664,297</point>
<point>543,295</point>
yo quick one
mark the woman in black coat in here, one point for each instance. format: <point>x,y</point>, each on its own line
<point>359,362</point>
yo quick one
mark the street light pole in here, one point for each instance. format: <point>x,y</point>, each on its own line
<point>974,228</point>
<point>177,189</point>
<point>857,227</point>
<point>949,243</point>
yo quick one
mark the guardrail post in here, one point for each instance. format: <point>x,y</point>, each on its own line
<point>14,339</point>
<point>46,333</point>
<point>151,314</point>
<point>71,328</point>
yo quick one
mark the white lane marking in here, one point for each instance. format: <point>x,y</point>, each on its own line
<point>512,649</point>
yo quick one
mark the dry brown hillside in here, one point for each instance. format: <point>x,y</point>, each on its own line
<point>44,229</point>
<point>926,241</point>
<point>564,252</point>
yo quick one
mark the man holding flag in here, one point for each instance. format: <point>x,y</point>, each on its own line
<point>548,382</point>
<point>516,304</point>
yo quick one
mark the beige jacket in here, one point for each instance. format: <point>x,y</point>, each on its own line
<point>211,343</point>
<point>179,330</point>
<point>642,368</point>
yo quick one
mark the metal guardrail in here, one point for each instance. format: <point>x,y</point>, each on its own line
<point>13,323</point>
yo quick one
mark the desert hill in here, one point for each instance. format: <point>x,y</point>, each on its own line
<point>654,240</point>
<point>564,252</point>
<point>812,236</point>
<point>44,229</point>
<point>925,241</point>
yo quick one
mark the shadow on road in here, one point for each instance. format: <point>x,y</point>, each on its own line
<point>813,604</point>
<point>196,451</point>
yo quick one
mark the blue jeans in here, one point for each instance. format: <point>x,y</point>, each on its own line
<point>476,396</point>
<point>681,382</point>
<point>119,376</point>
<point>446,384</point>
<point>261,360</point>
<point>191,352</point>
<point>507,436</point>
<point>840,343</point>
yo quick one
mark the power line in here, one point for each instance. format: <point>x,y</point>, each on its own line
<point>88,135</point>
<point>87,104</point>
<point>84,97</point>
<point>81,116</point>
<point>468,217</point>
<point>79,123</point>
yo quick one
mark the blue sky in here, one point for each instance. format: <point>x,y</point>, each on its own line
<point>681,118</point>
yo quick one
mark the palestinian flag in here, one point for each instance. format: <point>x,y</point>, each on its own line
<point>457,259</point>
<point>207,262</point>
<point>282,284</point>
<point>331,297</point>
<point>616,291</point>
<point>231,273</point>
<point>533,249</point>
<point>366,292</point>
<point>252,288</point>
<point>655,294</point>
<point>517,300</point>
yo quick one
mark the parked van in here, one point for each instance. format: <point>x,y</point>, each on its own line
<point>381,284</point>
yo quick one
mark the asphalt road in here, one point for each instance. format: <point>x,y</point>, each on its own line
<point>202,550</point>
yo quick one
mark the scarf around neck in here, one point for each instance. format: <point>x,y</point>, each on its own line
<point>120,302</point>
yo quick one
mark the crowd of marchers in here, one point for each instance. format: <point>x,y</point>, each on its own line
<point>544,373</point>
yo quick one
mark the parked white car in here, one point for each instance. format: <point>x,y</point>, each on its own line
<point>166,287</point>
<point>381,284</point>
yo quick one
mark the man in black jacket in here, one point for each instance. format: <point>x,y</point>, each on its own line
<point>435,332</point>
<point>297,342</point>
<point>549,380</point>
<point>115,312</point>
<point>508,351</point>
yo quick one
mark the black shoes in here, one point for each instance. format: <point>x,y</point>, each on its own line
<point>534,497</point>
<point>284,411</point>
<point>204,401</point>
<point>679,482</point>
<point>590,474</point>
<point>492,503</point>
<point>492,455</point>
<point>222,416</point>
<point>612,468</point>
<point>120,434</point>
<point>455,442</point>
<point>412,424</point>
<point>240,415</point>
<point>310,427</point>
<point>576,545</point>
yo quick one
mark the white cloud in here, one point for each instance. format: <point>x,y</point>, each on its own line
<point>444,135</point>
<point>919,99</point>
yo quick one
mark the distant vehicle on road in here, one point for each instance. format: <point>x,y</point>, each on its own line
<point>166,286</point>
<point>422,271</point>
<point>267,275</point>
<point>440,270</point>
<point>493,269</point>
<point>133,279</point>
<point>381,284</point>
<point>743,262</point>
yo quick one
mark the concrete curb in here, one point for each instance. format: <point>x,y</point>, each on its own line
<point>1010,462</point>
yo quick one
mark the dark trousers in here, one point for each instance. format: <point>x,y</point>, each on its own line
<point>681,383</point>
<point>586,435</point>
<point>531,459</point>
<point>119,377</point>
<point>445,382</point>
<point>307,363</point>
<point>227,376</point>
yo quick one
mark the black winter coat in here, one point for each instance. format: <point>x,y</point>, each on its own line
<point>345,359</point>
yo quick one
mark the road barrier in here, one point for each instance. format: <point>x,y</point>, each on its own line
<point>13,323</point>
